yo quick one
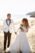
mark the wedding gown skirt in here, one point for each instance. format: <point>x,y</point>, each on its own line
<point>21,43</point>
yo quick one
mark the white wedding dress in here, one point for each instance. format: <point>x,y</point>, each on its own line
<point>21,43</point>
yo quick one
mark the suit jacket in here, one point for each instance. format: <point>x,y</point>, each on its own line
<point>9,28</point>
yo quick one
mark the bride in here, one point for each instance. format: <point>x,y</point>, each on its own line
<point>21,43</point>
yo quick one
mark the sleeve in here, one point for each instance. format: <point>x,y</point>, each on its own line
<point>4,25</point>
<point>13,26</point>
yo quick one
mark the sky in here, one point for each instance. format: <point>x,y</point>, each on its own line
<point>18,8</point>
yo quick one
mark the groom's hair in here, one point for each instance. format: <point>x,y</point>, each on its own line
<point>8,14</point>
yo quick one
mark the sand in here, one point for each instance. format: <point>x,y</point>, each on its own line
<point>30,39</point>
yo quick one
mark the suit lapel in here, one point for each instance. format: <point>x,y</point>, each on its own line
<point>9,22</point>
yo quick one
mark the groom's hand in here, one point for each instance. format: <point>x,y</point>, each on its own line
<point>15,32</point>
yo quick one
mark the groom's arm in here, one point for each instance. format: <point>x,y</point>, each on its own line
<point>13,27</point>
<point>4,25</point>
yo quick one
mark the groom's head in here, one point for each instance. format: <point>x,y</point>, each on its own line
<point>8,16</point>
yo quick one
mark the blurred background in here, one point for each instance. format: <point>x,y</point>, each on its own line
<point>19,9</point>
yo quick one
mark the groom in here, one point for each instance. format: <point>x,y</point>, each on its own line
<point>7,30</point>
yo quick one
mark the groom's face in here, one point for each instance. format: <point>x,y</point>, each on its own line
<point>9,16</point>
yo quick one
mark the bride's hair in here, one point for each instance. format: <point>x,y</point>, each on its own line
<point>26,22</point>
